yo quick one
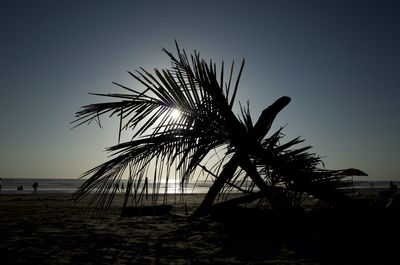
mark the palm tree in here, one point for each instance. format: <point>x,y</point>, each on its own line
<point>206,125</point>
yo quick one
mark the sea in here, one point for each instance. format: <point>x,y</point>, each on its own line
<point>54,185</point>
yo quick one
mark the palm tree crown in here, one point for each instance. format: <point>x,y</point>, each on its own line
<point>206,123</point>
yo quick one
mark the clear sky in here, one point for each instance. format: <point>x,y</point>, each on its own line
<point>339,61</point>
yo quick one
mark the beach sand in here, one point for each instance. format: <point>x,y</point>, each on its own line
<point>50,229</point>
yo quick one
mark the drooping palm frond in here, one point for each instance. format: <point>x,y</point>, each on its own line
<point>252,163</point>
<point>285,167</point>
<point>298,171</point>
<point>206,121</point>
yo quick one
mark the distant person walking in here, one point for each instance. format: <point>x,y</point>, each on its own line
<point>392,188</point>
<point>35,186</point>
<point>117,186</point>
<point>122,187</point>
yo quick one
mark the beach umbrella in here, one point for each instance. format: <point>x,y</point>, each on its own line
<point>352,172</point>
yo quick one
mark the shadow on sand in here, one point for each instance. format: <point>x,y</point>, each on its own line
<point>358,235</point>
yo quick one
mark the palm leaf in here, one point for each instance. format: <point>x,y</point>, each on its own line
<point>206,122</point>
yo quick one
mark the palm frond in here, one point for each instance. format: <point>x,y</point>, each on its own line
<point>206,122</point>
<point>252,162</point>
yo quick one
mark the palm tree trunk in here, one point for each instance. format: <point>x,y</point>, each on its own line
<point>261,128</point>
<point>275,196</point>
<point>226,174</point>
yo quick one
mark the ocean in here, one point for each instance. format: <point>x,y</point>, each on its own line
<point>47,185</point>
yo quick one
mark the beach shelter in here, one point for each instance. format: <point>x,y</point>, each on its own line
<point>352,172</point>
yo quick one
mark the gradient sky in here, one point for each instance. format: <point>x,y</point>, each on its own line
<point>339,61</point>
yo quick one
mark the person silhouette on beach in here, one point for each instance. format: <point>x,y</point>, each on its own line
<point>392,188</point>
<point>122,187</point>
<point>117,186</point>
<point>35,185</point>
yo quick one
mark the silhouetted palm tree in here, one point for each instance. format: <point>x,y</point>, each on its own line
<point>206,125</point>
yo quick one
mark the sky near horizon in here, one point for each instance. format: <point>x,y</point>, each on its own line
<point>339,61</point>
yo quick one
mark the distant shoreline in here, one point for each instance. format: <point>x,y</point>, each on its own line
<point>9,186</point>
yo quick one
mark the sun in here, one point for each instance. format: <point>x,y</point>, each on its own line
<point>175,114</point>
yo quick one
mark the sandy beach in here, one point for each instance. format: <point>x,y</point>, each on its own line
<point>50,229</point>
